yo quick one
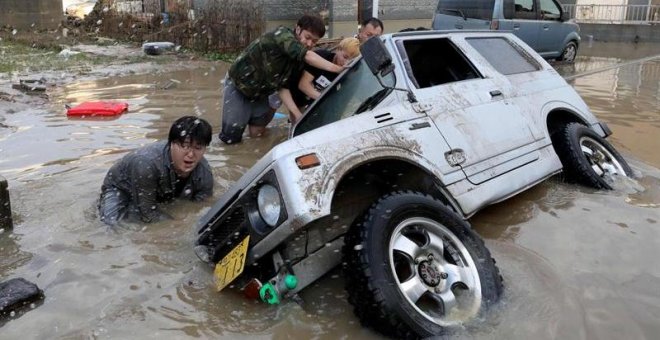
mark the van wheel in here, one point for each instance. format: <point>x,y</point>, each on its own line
<point>588,158</point>
<point>569,53</point>
<point>413,268</point>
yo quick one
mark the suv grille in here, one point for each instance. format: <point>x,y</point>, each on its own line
<point>227,233</point>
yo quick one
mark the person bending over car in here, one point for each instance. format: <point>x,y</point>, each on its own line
<point>261,70</point>
<point>158,173</point>
<point>307,86</point>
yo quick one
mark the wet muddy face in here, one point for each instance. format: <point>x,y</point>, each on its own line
<point>185,156</point>
<point>574,260</point>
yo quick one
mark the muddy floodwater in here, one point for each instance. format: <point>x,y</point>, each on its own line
<point>577,263</point>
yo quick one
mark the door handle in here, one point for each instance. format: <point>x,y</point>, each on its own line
<point>495,93</point>
<point>460,27</point>
<point>516,26</point>
<point>422,125</point>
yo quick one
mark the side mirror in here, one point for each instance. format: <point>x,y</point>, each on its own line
<point>376,56</point>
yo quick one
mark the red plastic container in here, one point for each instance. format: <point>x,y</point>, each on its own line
<point>97,109</point>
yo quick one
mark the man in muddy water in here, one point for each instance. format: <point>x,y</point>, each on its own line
<point>157,173</point>
<point>264,67</point>
<point>371,27</point>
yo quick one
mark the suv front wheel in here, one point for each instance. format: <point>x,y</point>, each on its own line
<point>414,268</point>
<point>587,158</point>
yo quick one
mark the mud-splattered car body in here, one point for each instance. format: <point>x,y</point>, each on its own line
<point>465,117</point>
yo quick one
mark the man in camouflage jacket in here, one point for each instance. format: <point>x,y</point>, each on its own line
<point>262,70</point>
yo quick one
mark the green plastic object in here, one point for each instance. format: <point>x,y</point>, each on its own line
<point>269,295</point>
<point>290,281</point>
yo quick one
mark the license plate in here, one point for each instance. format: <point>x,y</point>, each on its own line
<point>231,265</point>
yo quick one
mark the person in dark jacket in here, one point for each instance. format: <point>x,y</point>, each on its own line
<point>159,172</point>
<point>313,80</point>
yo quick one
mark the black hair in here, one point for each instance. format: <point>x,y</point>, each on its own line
<point>375,22</point>
<point>313,24</point>
<point>410,29</point>
<point>190,128</point>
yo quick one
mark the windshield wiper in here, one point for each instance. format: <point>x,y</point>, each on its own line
<point>370,102</point>
<point>455,11</point>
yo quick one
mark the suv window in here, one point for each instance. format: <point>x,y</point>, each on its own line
<point>436,61</point>
<point>503,56</point>
<point>550,10</point>
<point>476,9</point>
<point>358,90</point>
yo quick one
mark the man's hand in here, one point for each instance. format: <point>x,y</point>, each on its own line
<point>313,59</point>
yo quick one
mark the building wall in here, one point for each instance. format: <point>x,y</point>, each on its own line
<point>342,10</point>
<point>347,10</point>
<point>400,10</point>
<point>619,33</point>
<point>21,14</point>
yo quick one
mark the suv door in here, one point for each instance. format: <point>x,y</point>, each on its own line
<point>483,127</point>
<point>521,18</point>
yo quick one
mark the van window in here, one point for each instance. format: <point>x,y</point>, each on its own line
<point>550,10</point>
<point>524,9</point>
<point>508,9</point>
<point>432,62</point>
<point>504,56</point>
<point>475,9</point>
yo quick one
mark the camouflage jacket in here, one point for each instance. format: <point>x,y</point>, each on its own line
<point>267,63</point>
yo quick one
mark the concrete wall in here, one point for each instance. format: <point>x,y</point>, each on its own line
<point>21,14</point>
<point>620,33</point>
<point>347,10</point>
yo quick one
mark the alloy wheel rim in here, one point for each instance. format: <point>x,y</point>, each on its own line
<point>434,272</point>
<point>601,160</point>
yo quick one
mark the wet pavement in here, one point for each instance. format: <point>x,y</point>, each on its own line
<point>577,263</point>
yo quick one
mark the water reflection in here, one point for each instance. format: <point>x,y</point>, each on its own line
<point>12,256</point>
<point>626,97</point>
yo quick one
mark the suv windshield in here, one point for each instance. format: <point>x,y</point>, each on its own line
<point>475,9</point>
<point>357,91</point>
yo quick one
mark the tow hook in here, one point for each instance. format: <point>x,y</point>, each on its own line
<point>273,291</point>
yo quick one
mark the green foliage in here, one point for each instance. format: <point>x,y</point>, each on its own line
<point>16,57</point>
<point>218,26</point>
<point>228,57</point>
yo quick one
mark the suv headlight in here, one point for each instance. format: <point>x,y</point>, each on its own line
<point>269,203</point>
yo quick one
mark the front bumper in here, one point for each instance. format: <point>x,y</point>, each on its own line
<point>219,233</point>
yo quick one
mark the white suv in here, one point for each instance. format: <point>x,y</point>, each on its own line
<point>383,170</point>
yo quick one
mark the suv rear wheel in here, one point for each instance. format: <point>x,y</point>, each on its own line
<point>413,268</point>
<point>588,158</point>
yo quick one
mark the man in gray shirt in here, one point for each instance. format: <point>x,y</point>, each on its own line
<point>159,172</point>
